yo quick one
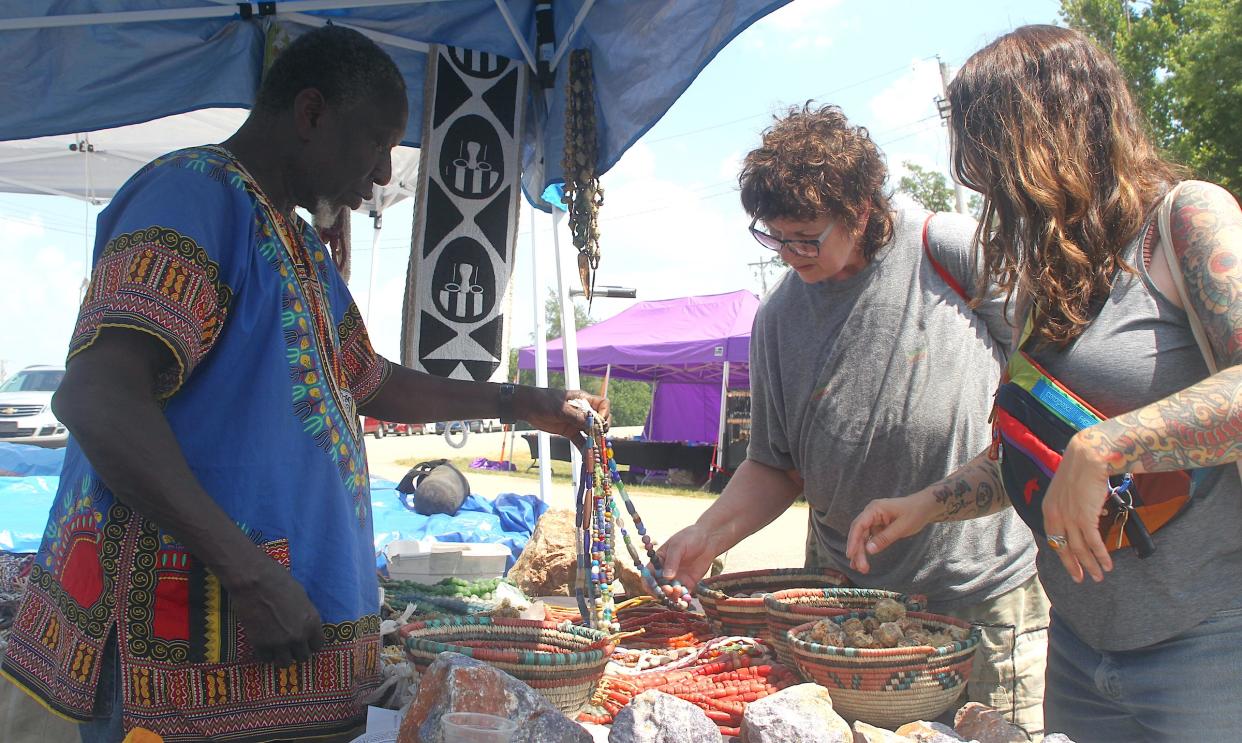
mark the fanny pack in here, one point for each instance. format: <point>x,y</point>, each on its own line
<point>1033,420</point>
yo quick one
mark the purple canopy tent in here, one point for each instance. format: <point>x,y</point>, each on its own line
<point>679,344</point>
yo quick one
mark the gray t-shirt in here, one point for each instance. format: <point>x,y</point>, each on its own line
<point>1140,349</point>
<point>877,386</point>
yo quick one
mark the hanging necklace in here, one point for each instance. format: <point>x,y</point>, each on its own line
<point>598,519</point>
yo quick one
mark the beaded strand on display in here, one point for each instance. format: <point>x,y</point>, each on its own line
<point>598,520</point>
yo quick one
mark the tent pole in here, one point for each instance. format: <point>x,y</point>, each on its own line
<point>378,223</point>
<point>724,401</point>
<point>517,36</point>
<point>569,35</point>
<point>603,390</point>
<point>186,14</point>
<point>541,356</point>
<point>569,335</point>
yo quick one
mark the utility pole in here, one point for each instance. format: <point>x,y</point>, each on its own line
<point>942,106</point>
<point>761,269</point>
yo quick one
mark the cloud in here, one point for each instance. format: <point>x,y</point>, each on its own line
<point>797,27</point>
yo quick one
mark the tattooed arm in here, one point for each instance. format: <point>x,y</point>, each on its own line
<point>1200,426</point>
<point>972,491</point>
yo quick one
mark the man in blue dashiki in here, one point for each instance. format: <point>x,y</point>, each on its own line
<point>208,570</point>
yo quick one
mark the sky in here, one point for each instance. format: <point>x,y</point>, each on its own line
<point>671,224</point>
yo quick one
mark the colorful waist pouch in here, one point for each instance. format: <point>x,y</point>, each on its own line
<point>1034,418</point>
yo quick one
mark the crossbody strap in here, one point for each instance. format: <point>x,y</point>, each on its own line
<point>1175,270</point>
<point>943,272</point>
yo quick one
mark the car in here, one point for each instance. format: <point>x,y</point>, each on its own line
<point>379,429</point>
<point>404,429</point>
<point>374,426</point>
<point>26,415</point>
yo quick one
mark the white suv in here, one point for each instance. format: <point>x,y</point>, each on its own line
<point>26,407</point>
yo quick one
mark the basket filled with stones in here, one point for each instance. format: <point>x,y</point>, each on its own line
<point>887,667</point>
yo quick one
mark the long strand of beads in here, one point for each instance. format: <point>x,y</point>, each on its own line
<point>600,541</point>
<point>581,502</point>
<point>673,594</point>
<point>598,519</point>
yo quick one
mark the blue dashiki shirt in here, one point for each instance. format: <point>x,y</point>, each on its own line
<point>271,359</point>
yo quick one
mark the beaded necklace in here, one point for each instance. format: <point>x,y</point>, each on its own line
<point>598,520</point>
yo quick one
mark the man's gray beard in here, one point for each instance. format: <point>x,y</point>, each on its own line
<point>326,213</point>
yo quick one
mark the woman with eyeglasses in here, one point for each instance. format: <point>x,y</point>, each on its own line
<point>871,376</point>
<point>1117,439</point>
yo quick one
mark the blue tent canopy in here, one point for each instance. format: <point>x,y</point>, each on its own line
<point>87,65</point>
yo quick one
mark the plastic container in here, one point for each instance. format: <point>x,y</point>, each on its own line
<point>428,561</point>
<point>476,727</point>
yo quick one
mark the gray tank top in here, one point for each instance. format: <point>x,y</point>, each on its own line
<point>1140,349</point>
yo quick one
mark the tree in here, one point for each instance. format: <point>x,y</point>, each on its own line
<point>1183,60</point>
<point>929,188</point>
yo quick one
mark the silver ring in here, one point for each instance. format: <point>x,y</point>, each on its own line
<point>1057,541</point>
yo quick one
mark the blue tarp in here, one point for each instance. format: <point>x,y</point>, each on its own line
<point>82,78</point>
<point>508,519</point>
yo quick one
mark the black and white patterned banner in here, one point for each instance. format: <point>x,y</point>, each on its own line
<point>465,221</point>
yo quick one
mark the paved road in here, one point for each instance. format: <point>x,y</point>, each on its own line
<point>779,545</point>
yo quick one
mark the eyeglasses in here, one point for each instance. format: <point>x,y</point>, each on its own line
<point>804,248</point>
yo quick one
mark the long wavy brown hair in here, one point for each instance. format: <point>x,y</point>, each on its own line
<point>1043,125</point>
<point>813,163</point>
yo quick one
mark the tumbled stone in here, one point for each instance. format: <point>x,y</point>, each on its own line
<point>986,725</point>
<point>1057,738</point>
<point>656,717</point>
<point>864,733</point>
<point>799,714</point>
<point>456,683</point>
<point>923,731</point>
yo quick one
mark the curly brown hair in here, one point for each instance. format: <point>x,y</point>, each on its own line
<point>1044,127</point>
<point>813,163</point>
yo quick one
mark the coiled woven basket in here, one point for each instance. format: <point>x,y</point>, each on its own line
<point>788,609</point>
<point>731,613</point>
<point>888,687</point>
<point>563,662</point>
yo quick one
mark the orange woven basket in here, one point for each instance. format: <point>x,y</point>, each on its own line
<point>733,602</point>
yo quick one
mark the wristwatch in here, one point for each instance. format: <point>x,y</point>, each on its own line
<point>507,392</point>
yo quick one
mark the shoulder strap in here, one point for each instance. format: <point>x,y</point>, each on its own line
<point>1175,270</point>
<point>943,272</point>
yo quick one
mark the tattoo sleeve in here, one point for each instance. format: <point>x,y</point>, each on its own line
<point>973,490</point>
<point>1201,425</point>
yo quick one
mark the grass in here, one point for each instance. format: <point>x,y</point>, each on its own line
<point>561,473</point>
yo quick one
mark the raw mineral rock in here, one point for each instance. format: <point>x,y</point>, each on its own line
<point>986,725</point>
<point>864,733</point>
<point>656,717</point>
<point>799,714</point>
<point>455,683</point>
<point>1057,738</point>
<point>548,564</point>
<point>929,732</point>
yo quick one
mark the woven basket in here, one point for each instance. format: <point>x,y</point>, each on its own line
<point>563,662</point>
<point>731,614</point>
<point>892,686</point>
<point>787,609</point>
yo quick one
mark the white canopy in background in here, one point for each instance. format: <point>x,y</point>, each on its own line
<point>94,165</point>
